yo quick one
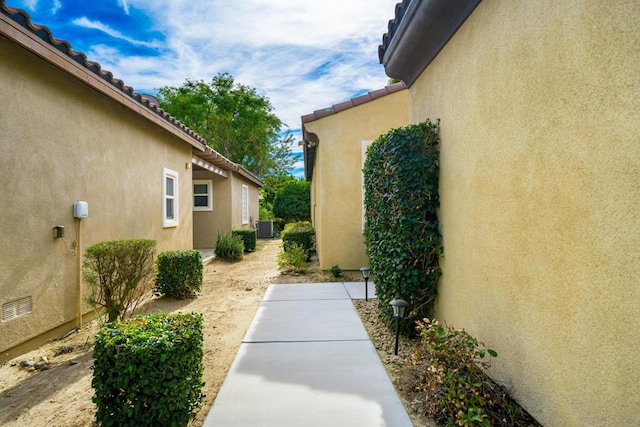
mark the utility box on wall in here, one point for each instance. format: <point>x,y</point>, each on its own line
<point>80,209</point>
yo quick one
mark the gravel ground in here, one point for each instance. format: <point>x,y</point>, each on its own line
<point>400,368</point>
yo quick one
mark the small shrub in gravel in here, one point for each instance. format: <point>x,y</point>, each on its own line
<point>229,247</point>
<point>336,271</point>
<point>458,391</point>
<point>293,258</point>
<point>439,376</point>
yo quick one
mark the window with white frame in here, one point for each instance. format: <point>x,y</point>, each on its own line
<point>169,198</point>
<point>202,195</point>
<point>245,204</point>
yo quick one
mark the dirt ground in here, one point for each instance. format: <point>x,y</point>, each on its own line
<point>61,395</point>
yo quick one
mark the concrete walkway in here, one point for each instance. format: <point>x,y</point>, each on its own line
<point>307,360</point>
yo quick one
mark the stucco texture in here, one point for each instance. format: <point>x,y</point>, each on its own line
<point>227,208</point>
<point>63,142</point>
<point>336,185</point>
<point>540,165</point>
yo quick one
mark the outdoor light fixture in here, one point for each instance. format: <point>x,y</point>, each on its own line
<point>399,307</point>
<point>366,272</point>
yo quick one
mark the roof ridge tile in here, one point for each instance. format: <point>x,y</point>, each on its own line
<point>358,100</point>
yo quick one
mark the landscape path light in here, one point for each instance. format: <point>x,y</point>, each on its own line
<point>366,273</point>
<point>399,307</point>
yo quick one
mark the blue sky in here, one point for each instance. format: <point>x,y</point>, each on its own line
<point>301,54</point>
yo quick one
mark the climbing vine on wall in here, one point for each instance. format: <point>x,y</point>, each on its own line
<point>401,224</point>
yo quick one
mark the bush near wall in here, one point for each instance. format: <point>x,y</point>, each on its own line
<point>179,273</point>
<point>249,236</point>
<point>119,274</point>
<point>401,225</point>
<point>147,370</point>
<point>299,233</point>
<point>229,247</point>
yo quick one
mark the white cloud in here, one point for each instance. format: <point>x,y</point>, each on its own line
<point>97,25</point>
<point>302,55</point>
<point>30,4</point>
<point>124,5</point>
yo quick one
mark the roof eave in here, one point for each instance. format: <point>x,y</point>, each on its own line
<point>425,28</point>
<point>218,160</point>
<point>59,54</point>
<point>353,102</point>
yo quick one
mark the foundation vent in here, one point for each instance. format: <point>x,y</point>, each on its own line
<point>14,309</point>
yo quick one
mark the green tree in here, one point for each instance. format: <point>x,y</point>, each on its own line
<point>273,184</point>
<point>293,201</point>
<point>234,120</point>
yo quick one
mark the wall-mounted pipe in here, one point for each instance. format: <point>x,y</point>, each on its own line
<point>79,268</point>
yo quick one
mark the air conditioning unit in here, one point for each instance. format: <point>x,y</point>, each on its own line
<point>265,229</point>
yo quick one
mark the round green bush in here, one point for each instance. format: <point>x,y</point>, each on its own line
<point>147,370</point>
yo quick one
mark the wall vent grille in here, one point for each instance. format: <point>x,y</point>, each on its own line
<point>14,309</point>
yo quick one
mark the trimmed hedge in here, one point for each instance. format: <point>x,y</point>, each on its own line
<point>401,223</point>
<point>300,233</point>
<point>249,236</point>
<point>179,273</point>
<point>147,371</point>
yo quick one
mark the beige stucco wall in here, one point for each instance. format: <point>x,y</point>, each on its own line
<point>237,181</point>
<point>540,173</point>
<point>206,225</point>
<point>227,208</point>
<point>62,142</point>
<point>336,185</point>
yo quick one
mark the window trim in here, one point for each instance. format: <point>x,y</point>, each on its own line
<point>170,222</point>
<point>209,184</point>
<point>245,204</point>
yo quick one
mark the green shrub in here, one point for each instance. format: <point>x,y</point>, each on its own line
<point>147,370</point>
<point>458,391</point>
<point>179,273</point>
<point>278,226</point>
<point>401,224</point>
<point>293,201</point>
<point>336,271</point>
<point>119,274</point>
<point>229,247</point>
<point>293,259</point>
<point>265,211</point>
<point>299,233</point>
<point>249,236</point>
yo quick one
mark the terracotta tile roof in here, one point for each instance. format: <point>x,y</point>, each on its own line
<point>310,140</point>
<point>394,23</point>
<point>141,103</point>
<point>420,29</point>
<point>367,97</point>
<point>43,33</point>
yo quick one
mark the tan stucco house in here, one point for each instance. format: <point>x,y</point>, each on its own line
<point>539,104</point>
<point>335,141</point>
<point>70,132</point>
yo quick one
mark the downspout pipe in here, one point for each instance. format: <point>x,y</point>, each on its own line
<point>79,268</point>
